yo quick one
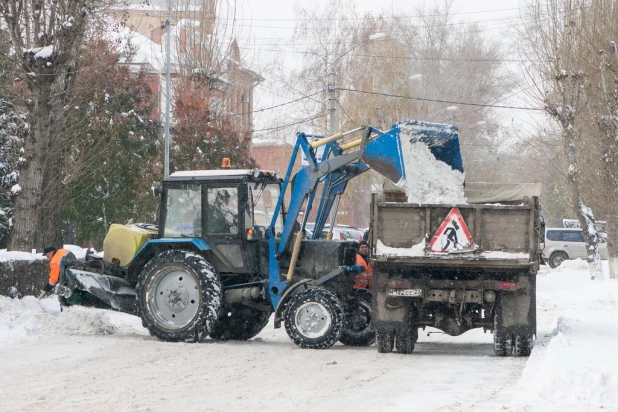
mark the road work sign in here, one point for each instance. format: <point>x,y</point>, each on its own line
<point>453,235</point>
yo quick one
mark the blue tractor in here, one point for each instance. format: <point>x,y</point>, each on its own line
<point>230,248</point>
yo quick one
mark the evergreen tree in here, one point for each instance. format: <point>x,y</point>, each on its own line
<point>12,129</point>
<point>114,151</point>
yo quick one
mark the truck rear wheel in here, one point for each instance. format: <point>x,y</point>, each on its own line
<point>503,342</point>
<point>523,345</point>
<point>314,318</point>
<point>178,296</point>
<point>405,340</point>
<point>240,323</point>
<point>385,340</point>
<point>357,330</point>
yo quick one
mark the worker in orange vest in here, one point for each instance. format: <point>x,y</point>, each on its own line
<point>57,262</point>
<point>363,280</point>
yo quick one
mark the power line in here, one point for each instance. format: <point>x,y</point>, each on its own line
<point>454,59</point>
<point>290,124</point>
<point>283,104</point>
<point>382,16</point>
<point>439,101</point>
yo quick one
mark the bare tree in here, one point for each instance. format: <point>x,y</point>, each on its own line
<point>45,36</point>
<point>555,42</point>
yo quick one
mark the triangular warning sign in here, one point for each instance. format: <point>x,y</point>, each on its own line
<point>452,235</point>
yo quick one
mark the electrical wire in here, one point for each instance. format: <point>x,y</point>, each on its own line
<point>439,101</point>
<point>290,124</point>
<point>282,104</point>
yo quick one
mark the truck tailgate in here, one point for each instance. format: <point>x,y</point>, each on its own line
<point>503,235</point>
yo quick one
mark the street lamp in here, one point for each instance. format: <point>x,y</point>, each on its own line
<point>332,83</point>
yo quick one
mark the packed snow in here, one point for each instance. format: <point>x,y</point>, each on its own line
<point>428,180</point>
<point>415,250</point>
<point>419,250</point>
<point>9,256</point>
<point>92,359</point>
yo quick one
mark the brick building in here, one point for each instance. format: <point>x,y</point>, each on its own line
<point>191,54</point>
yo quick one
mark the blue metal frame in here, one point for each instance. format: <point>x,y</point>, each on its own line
<point>335,169</point>
<point>199,243</point>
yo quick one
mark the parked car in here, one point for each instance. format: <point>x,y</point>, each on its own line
<point>340,232</point>
<point>563,244</point>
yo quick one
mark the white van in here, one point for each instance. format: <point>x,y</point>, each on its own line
<point>562,244</point>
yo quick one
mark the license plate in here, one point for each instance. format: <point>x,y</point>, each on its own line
<point>405,292</point>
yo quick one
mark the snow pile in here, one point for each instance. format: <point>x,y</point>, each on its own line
<point>428,180</point>
<point>30,318</point>
<point>574,364</point>
<point>415,250</point>
<point>6,256</point>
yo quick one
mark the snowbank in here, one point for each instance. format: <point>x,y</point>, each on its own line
<point>30,318</point>
<point>6,256</point>
<point>574,366</point>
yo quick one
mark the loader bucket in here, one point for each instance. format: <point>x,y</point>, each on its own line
<point>384,153</point>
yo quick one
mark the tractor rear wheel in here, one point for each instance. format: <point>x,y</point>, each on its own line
<point>314,318</point>
<point>357,329</point>
<point>240,323</point>
<point>178,296</point>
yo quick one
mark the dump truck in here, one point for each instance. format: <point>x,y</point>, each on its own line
<point>457,267</point>
<point>229,249</point>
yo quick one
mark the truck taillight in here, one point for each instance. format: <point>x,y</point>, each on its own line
<point>399,283</point>
<point>506,285</point>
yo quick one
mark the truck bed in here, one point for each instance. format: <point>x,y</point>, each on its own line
<point>504,235</point>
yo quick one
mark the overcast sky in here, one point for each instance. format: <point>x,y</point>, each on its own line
<point>269,23</point>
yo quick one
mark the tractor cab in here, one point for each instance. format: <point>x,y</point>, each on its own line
<point>229,209</point>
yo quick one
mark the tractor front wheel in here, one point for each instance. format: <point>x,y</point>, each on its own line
<point>314,318</point>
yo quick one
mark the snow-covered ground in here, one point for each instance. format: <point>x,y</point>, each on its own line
<point>84,359</point>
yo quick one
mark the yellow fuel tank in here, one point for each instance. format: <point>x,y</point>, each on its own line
<point>123,241</point>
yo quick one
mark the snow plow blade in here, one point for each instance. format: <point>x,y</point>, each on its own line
<point>114,291</point>
<point>384,153</point>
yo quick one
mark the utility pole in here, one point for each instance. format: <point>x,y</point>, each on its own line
<point>167,89</point>
<point>332,103</point>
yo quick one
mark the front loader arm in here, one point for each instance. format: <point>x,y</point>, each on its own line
<point>335,168</point>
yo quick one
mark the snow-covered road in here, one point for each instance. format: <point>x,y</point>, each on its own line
<point>269,373</point>
<point>92,360</point>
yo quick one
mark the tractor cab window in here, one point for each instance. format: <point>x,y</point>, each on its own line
<point>264,200</point>
<point>222,211</point>
<point>183,211</point>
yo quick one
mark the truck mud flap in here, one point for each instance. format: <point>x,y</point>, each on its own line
<point>518,313</point>
<point>116,292</point>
